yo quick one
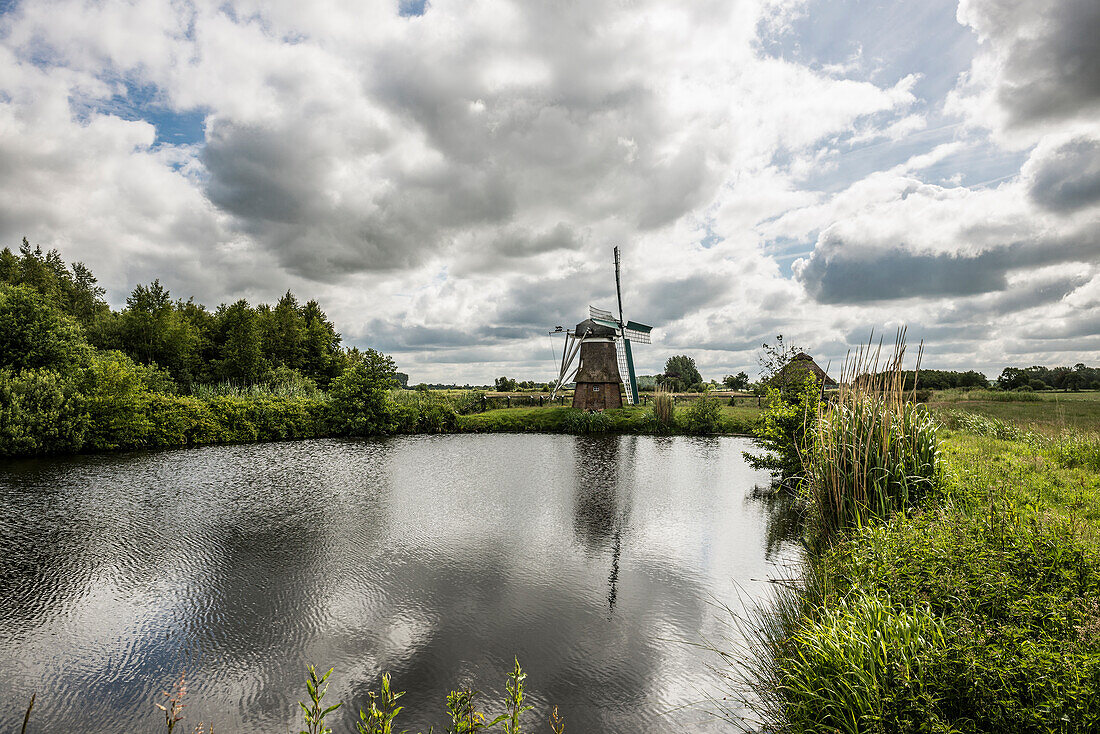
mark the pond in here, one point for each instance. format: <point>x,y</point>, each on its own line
<point>596,560</point>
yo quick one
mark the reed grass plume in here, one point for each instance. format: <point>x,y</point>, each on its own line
<point>663,407</point>
<point>874,450</point>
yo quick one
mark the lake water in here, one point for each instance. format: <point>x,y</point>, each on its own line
<point>595,560</point>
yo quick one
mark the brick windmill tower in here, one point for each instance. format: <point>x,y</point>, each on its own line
<point>600,347</point>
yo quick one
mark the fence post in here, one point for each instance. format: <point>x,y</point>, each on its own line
<point>482,403</point>
<point>540,401</point>
<point>757,401</point>
<point>508,401</point>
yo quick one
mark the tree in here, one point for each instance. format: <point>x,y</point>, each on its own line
<point>359,403</point>
<point>151,331</point>
<point>35,334</point>
<point>321,347</point>
<point>784,426</point>
<point>284,332</point>
<point>774,357</point>
<point>740,381</point>
<point>74,291</point>
<point>504,384</point>
<point>240,355</point>
<point>681,373</point>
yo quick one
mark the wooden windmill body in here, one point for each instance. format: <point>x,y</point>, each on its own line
<point>598,377</point>
<point>600,345</point>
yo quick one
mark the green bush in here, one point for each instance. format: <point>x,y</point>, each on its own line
<point>34,334</point>
<point>360,405</point>
<point>40,413</point>
<point>703,416</point>
<point>783,428</point>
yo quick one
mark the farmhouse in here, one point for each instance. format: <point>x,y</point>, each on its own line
<point>800,364</point>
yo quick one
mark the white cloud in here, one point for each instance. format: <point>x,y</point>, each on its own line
<point>450,182</point>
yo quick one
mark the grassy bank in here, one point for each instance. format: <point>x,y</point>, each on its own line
<point>976,608</point>
<point>632,419</point>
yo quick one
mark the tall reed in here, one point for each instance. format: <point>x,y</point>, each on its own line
<point>874,450</point>
<point>663,408</point>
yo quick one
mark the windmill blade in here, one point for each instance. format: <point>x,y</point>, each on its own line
<point>626,370</point>
<point>568,354</point>
<point>599,313</point>
<point>637,332</point>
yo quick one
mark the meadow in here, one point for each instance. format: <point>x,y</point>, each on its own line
<point>969,607</point>
<point>1048,412</point>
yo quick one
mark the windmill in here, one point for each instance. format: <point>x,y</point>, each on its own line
<point>600,345</point>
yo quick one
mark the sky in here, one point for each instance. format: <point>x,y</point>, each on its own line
<point>448,177</point>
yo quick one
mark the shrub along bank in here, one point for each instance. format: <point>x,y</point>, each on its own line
<point>110,403</point>
<point>967,605</point>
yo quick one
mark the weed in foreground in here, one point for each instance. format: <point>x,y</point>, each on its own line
<point>316,712</point>
<point>27,716</point>
<point>383,709</point>
<point>557,723</point>
<point>515,688</point>
<point>173,712</point>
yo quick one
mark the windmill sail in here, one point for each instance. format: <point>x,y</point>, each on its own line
<point>626,369</point>
<point>637,332</point>
<point>600,314</point>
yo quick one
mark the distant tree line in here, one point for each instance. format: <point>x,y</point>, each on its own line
<point>75,374</point>
<point>945,379</point>
<point>1078,377</point>
<point>507,384</point>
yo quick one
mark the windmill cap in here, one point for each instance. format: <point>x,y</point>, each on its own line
<point>595,329</point>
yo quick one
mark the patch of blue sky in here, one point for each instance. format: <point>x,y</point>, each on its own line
<point>785,250</point>
<point>411,8</point>
<point>7,6</point>
<point>145,102</point>
<point>881,42</point>
<point>710,238</point>
<point>852,160</point>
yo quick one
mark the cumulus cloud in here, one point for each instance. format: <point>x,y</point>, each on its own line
<point>1039,63</point>
<point>449,177</point>
<point>1066,178</point>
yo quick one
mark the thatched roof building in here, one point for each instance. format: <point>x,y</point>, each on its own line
<point>800,364</point>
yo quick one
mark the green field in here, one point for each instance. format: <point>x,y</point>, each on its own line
<point>1046,412</point>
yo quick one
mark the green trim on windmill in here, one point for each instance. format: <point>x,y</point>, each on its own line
<point>630,369</point>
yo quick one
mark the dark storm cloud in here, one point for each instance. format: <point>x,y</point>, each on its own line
<point>384,335</point>
<point>1051,57</point>
<point>276,180</point>
<point>840,271</point>
<point>1068,178</point>
<point>666,301</point>
<point>897,273</point>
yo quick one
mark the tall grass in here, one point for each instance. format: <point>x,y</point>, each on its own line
<point>852,660</point>
<point>283,384</point>
<point>1069,447</point>
<point>873,450</point>
<point>664,406</point>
